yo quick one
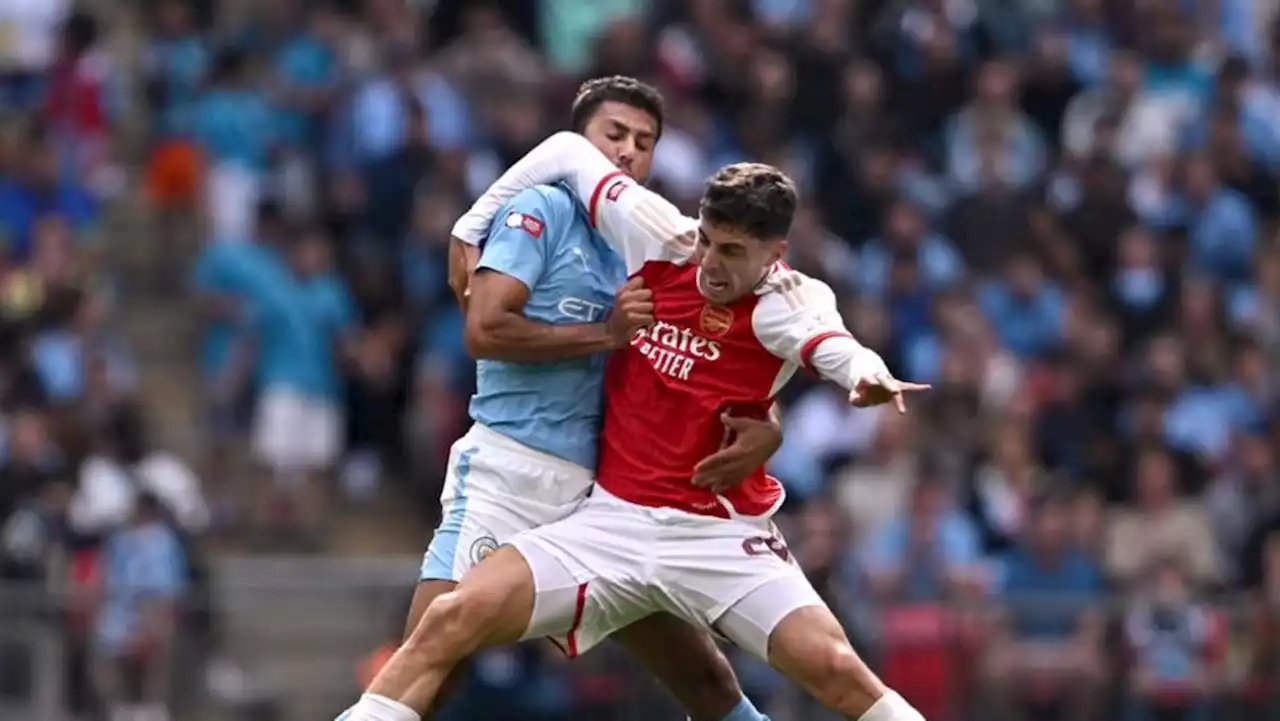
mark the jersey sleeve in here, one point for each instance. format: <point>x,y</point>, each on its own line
<point>638,223</point>
<point>516,244</point>
<point>797,320</point>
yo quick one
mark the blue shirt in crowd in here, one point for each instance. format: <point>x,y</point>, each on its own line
<point>141,564</point>
<point>235,126</point>
<point>298,328</point>
<point>245,270</point>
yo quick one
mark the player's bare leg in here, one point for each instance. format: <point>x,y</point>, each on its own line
<point>423,595</point>
<point>811,649</point>
<point>690,665</point>
<point>684,659</point>
<point>491,606</point>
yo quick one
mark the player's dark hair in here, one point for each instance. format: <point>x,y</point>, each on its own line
<point>755,198</point>
<point>619,89</point>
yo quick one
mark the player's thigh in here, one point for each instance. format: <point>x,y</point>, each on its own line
<point>709,565</point>
<point>589,572</point>
<point>491,606</point>
<point>752,619</point>
<point>785,622</point>
<point>686,659</point>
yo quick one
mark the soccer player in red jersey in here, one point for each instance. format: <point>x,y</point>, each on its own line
<point>732,326</point>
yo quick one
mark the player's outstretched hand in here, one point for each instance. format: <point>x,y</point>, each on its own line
<point>754,442</point>
<point>632,310</point>
<point>883,388</point>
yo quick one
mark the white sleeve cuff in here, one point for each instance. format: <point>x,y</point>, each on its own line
<point>845,361</point>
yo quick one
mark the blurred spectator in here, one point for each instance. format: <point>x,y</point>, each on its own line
<point>929,551</point>
<point>72,346</point>
<point>1170,634</point>
<point>36,191</point>
<point>176,66</point>
<point>1221,225</point>
<point>230,280</point>
<point>1048,646</point>
<point>33,495</point>
<point>1241,498</point>
<point>1005,488</point>
<point>1160,526</point>
<point>1024,308</point>
<point>144,576</point>
<point>236,131</point>
<point>125,466</point>
<point>991,144</point>
<point>303,330</point>
<point>30,31</point>
<point>77,106</point>
<point>937,262</point>
<point>1264,632</point>
<point>876,488</point>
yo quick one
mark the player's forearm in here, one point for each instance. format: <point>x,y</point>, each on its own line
<point>636,221</point>
<point>563,156</point>
<point>843,360</point>
<point>512,337</point>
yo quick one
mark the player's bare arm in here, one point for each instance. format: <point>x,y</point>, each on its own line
<point>497,329</point>
<point>753,443</point>
<point>463,258</point>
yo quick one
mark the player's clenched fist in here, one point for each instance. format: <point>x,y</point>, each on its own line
<point>881,388</point>
<point>632,310</point>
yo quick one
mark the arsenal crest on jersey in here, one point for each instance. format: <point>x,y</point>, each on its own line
<point>715,320</point>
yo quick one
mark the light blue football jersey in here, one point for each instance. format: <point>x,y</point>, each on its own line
<point>542,238</point>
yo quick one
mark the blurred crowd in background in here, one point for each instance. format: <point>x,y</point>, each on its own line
<point>1061,213</point>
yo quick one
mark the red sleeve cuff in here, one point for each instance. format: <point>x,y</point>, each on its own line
<point>595,194</point>
<point>811,345</point>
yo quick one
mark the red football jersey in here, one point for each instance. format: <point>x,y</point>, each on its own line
<point>665,394</point>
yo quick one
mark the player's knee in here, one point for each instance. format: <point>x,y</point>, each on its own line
<point>837,677</point>
<point>709,687</point>
<point>450,627</point>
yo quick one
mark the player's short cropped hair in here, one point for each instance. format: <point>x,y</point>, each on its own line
<point>755,198</point>
<point>619,89</point>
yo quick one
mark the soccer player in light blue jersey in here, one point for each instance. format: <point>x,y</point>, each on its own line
<point>541,318</point>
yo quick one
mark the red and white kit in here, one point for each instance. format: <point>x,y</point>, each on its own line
<point>648,540</point>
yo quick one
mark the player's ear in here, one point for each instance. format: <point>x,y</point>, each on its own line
<point>779,250</point>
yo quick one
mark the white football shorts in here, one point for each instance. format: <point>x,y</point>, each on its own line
<point>496,487</point>
<point>613,563</point>
<point>294,432</point>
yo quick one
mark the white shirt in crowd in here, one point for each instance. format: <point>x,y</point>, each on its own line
<point>107,491</point>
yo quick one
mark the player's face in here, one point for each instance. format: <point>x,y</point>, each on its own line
<point>626,135</point>
<point>732,262</point>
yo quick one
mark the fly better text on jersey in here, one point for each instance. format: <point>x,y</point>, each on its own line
<point>673,350</point>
